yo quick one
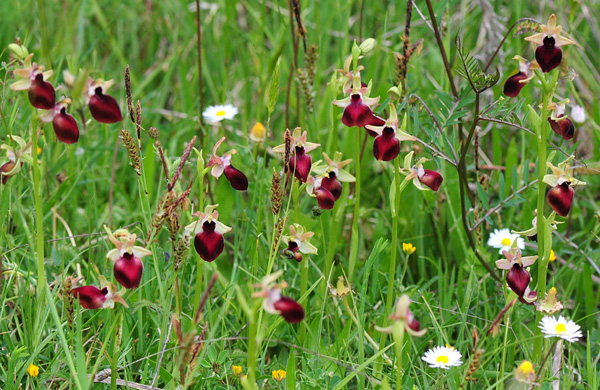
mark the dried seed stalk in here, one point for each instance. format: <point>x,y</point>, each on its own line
<point>184,157</point>
<point>128,93</point>
<point>138,120</point>
<point>132,149</point>
<point>299,25</point>
<point>276,194</point>
<point>288,146</point>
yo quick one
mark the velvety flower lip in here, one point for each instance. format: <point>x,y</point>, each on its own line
<point>274,302</point>
<point>315,188</point>
<point>566,330</point>
<point>357,106</point>
<point>443,357</point>
<point>420,176</point>
<point>559,122</point>
<point>560,197</point>
<point>64,125</point>
<point>92,297</point>
<point>16,155</point>
<point>33,79</point>
<point>299,237</point>
<point>516,82</point>
<point>215,114</point>
<point>222,164</point>
<point>128,266</point>
<point>290,310</point>
<point>548,53</point>
<point>517,277</point>
<point>208,233</point>
<point>104,108</point>
<point>333,174</point>
<point>300,162</point>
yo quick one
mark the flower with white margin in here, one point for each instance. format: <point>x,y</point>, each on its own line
<point>443,357</point>
<point>504,239</point>
<point>208,233</point>
<point>566,330</point>
<point>297,242</point>
<point>127,257</point>
<point>222,164</point>
<point>215,114</point>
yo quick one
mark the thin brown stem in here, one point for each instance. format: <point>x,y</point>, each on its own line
<point>504,39</point>
<point>199,47</point>
<point>438,38</point>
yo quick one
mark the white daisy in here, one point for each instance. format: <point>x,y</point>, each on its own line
<point>214,114</point>
<point>503,239</point>
<point>567,330</point>
<point>443,357</point>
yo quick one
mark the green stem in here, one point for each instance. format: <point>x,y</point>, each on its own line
<point>394,254</point>
<point>398,343</point>
<point>355,237</point>
<point>253,344</point>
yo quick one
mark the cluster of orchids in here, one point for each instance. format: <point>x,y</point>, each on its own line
<point>127,270</point>
<point>42,95</point>
<point>548,56</point>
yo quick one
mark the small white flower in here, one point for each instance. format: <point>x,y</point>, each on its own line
<point>578,114</point>
<point>214,114</point>
<point>567,330</point>
<point>503,240</point>
<point>443,357</point>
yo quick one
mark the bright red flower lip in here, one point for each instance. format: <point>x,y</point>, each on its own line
<point>104,108</point>
<point>357,113</point>
<point>41,93</point>
<point>90,297</point>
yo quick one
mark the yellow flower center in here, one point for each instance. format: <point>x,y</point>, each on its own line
<point>526,368</point>
<point>560,328</point>
<point>221,113</point>
<point>442,359</point>
<point>506,242</point>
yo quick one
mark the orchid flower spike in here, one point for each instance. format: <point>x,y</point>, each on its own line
<point>386,145</point>
<point>421,176</point>
<point>104,108</point>
<point>274,302</point>
<point>559,122</point>
<point>300,162</point>
<point>357,106</point>
<point>298,244</point>
<point>333,174</point>
<point>33,78</point>
<point>208,233</point>
<point>518,277</point>
<point>222,164</point>
<point>92,297</point>
<point>516,82</point>
<point>560,196</point>
<point>64,125</point>
<point>402,313</point>
<point>15,155</point>
<point>548,53</point>
<point>127,257</point>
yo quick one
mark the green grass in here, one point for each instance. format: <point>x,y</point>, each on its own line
<point>336,346</point>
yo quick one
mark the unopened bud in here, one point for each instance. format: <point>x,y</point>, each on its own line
<point>19,51</point>
<point>395,93</point>
<point>367,47</point>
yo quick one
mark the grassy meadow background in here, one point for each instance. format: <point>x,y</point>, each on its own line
<point>91,183</point>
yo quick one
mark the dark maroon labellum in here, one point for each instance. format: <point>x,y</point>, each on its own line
<point>290,310</point>
<point>518,279</point>
<point>386,146</point>
<point>41,93</point>
<point>560,199</point>
<point>414,325</point>
<point>357,113</point>
<point>65,127</point>
<point>563,127</point>
<point>209,243</point>
<point>432,179</point>
<point>300,164</point>
<point>6,167</point>
<point>238,180</point>
<point>104,108</point>
<point>548,56</point>
<point>513,86</point>
<point>128,270</point>
<point>333,185</point>
<point>324,198</point>
<point>90,297</point>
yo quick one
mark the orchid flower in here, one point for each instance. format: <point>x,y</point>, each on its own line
<point>421,176</point>
<point>222,164</point>
<point>92,297</point>
<point>33,78</point>
<point>403,314</point>
<point>559,122</point>
<point>297,242</point>
<point>208,233</point>
<point>316,189</point>
<point>357,106</point>
<point>560,196</point>
<point>516,82</point>
<point>548,53</point>
<point>333,174</point>
<point>127,257</point>
<point>274,302</point>
<point>518,277</point>
<point>64,125</point>
<point>386,145</point>
<point>300,162</point>
<point>104,108</point>
<point>16,156</point>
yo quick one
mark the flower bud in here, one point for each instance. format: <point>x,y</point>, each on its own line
<point>395,93</point>
<point>367,47</point>
<point>19,51</point>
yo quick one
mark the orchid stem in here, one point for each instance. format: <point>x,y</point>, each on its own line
<point>399,342</point>
<point>354,242</point>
